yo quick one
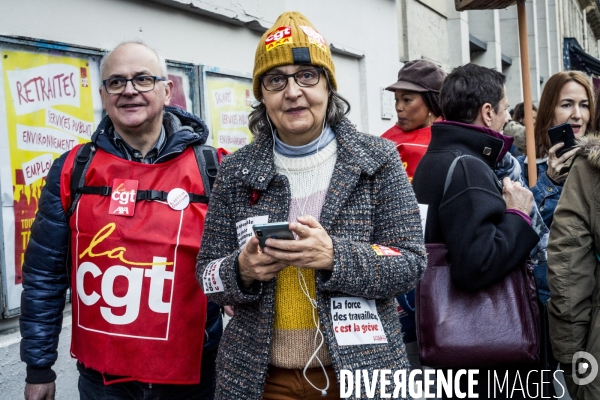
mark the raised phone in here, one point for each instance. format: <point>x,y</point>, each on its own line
<point>562,133</point>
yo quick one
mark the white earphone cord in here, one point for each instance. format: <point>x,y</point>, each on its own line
<point>302,281</point>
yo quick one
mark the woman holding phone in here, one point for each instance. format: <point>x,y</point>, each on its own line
<point>567,98</point>
<point>345,196</point>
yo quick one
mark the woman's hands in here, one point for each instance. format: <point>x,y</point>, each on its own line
<point>555,163</point>
<point>313,249</point>
<point>256,265</point>
<point>516,196</point>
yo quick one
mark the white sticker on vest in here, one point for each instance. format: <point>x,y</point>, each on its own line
<point>244,228</point>
<point>211,280</point>
<point>356,322</point>
<point>423,211</point>
<point>178,199</point>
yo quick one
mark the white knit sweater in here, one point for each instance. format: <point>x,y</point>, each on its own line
<point>293,339</point>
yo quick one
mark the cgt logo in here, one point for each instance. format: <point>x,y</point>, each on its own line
<point>581,363</point>
<point>123,196</point>
<point>121,296</point>
<point>282,35</point>
<point>132,296</point>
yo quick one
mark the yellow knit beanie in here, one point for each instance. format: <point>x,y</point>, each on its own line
<point>291,40</point>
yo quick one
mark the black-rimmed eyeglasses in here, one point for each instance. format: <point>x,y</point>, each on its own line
<point>303,78</point>
<point>142,83</point>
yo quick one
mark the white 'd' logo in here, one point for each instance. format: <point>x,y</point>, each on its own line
<point>583,367</point>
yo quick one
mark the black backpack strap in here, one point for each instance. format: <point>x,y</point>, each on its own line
<point>196,198</point>
<point>208,163</point>
<point>101,190</point>
<point>148,195</point>
<point>82,161</point>
<point>162,196</point>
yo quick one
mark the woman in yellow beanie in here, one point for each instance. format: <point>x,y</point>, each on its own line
<point>310,309</point>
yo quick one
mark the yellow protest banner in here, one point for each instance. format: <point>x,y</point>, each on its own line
<point>50,106</point>
<point>229,104</point>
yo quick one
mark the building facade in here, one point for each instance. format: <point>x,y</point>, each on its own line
<point>563,34</point>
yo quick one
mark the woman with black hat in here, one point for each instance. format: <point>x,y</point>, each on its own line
<point>417,105</point>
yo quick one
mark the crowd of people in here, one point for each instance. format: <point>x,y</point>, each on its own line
<point>150,273</point>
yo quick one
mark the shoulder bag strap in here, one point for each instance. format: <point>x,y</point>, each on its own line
<point>451,173</point>
<point>453,166</point>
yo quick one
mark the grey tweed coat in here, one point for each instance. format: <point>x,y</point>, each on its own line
<point>369,201</point>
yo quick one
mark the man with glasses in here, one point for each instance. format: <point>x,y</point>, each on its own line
<point>120,222</point>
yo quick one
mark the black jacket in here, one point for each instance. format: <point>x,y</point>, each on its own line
<point>45,272</point>
<point>484,242</point>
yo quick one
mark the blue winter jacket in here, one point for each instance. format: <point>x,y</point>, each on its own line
<point>545,192</point>
<point>45,270</point>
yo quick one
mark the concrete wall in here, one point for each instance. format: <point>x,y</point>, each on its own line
<point>225,34</point>
<point>509,29</point>
<point>534,51</point>
<point>458,35</point>
<point>427,33</point>
<point>423,24</point>
<point>554,38</point>
<point>485,26</point>
<point>544,40</point>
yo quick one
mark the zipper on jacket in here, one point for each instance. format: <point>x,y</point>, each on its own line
<point>168,154</point>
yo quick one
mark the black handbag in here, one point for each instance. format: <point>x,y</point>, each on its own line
<point>494,326</point>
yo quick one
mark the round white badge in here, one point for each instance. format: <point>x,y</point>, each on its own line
<point>178,199</point>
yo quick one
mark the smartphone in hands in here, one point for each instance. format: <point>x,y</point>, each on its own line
<point>272,230</point>
<point>562,133</point>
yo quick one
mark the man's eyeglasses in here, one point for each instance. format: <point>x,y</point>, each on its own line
<point>303,78</point>
<point>143,83</point>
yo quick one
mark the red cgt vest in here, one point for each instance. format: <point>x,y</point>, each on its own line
<point>138,311</point>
